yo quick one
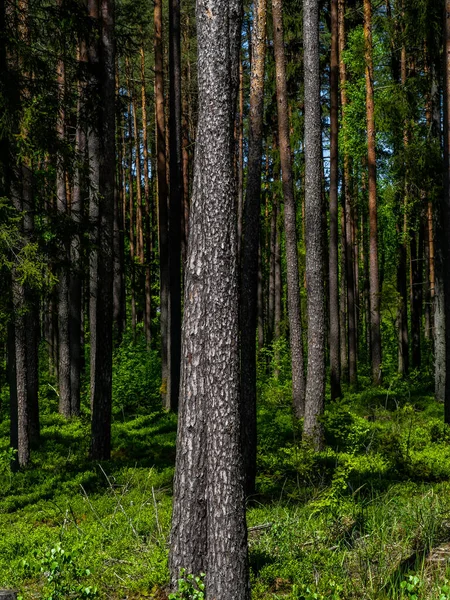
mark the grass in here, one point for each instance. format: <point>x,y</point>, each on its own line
<point>367,518</point>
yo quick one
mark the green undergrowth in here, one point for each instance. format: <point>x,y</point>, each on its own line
<point>366,518</point>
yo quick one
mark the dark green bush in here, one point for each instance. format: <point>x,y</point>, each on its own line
<point>136,378</point>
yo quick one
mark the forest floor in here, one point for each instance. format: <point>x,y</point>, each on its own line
<point>367,518</point>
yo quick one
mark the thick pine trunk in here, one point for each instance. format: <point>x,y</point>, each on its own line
<point>293,283</point>
<point>250,245</point>
<point>314,235</point>
<point>208,526</point>
<point>101,147</point>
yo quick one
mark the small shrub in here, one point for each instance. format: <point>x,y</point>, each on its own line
<point>190,587</point>
<point>63,577</point>
<point>411,587</point>
<point>332,591</point>
<point>344,430</point>
<point>136,378</point>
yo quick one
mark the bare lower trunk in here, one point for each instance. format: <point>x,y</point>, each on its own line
<point>375,322</point>
<point>445,238</point>
<point>64,264</point>
<point>175,205</point>
<point>147,210</point>
<point>334,337</point>
<point>208,524</point>
<point>315,382</point>
<point>250,245</point>
<point>293,283</point>
<point>163,217</point>
<point>101,148</point>
<point>416,255</point>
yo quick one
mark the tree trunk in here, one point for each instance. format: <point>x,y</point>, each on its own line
<point>334,340</point>
<point>163,216</point>
<point>343,329</point>
<point>119,294</point>
<point>315,382</point>
<point>132,219</point>
<point>147,210</point>
<point>208,524</point>
<point>445,238</point>
<point>271,257</point>
<point>137,162</point>
<point>374,283</point>
<point>278,291</point>
<point>250,245</point>
<point>260,300</point>
<point>101,147</point>
<point>293,283</point>
<point>350,345</point>
<point>64,264</point>
<point>416,257</point>
<point>240,155</point>
<point>175,205</point>
<point>76,276</point>
<point>402,232</point>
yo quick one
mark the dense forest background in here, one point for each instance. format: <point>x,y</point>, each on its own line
<point>339,237</point>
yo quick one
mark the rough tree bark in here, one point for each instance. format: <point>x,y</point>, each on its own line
<point>293,283</point>
<point>175,205</point>
<point>334,341</point>
<point>119,292</point>
<point>349,344</point>
<point>250,245</point>
<point>77,209</point>
<point>64,255</point>
<point>147,209</point>
<point>101,148</point>
<point>315,382</point>
<point>208,527</point>
<point>163,216</point>
<point>374,282</point>
<point>445,238</point>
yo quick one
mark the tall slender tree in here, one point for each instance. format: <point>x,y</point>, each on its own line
<point>374,280</point>
<point>208,525</point>
<point>293,283</point>
<point>65,406</point>
<point>348,323</point>
<point>101,148</point>
<point>445,238</point>
<point>335,367</point>
<point>250,245</point>
<point>175,205</point>
<point>163,216</point>
<point>315,382</point>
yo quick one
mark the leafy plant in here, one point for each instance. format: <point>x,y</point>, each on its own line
<point>64,578</point>
<point>332,592</point>
<point>190,587</point>
<point>411,587</point>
